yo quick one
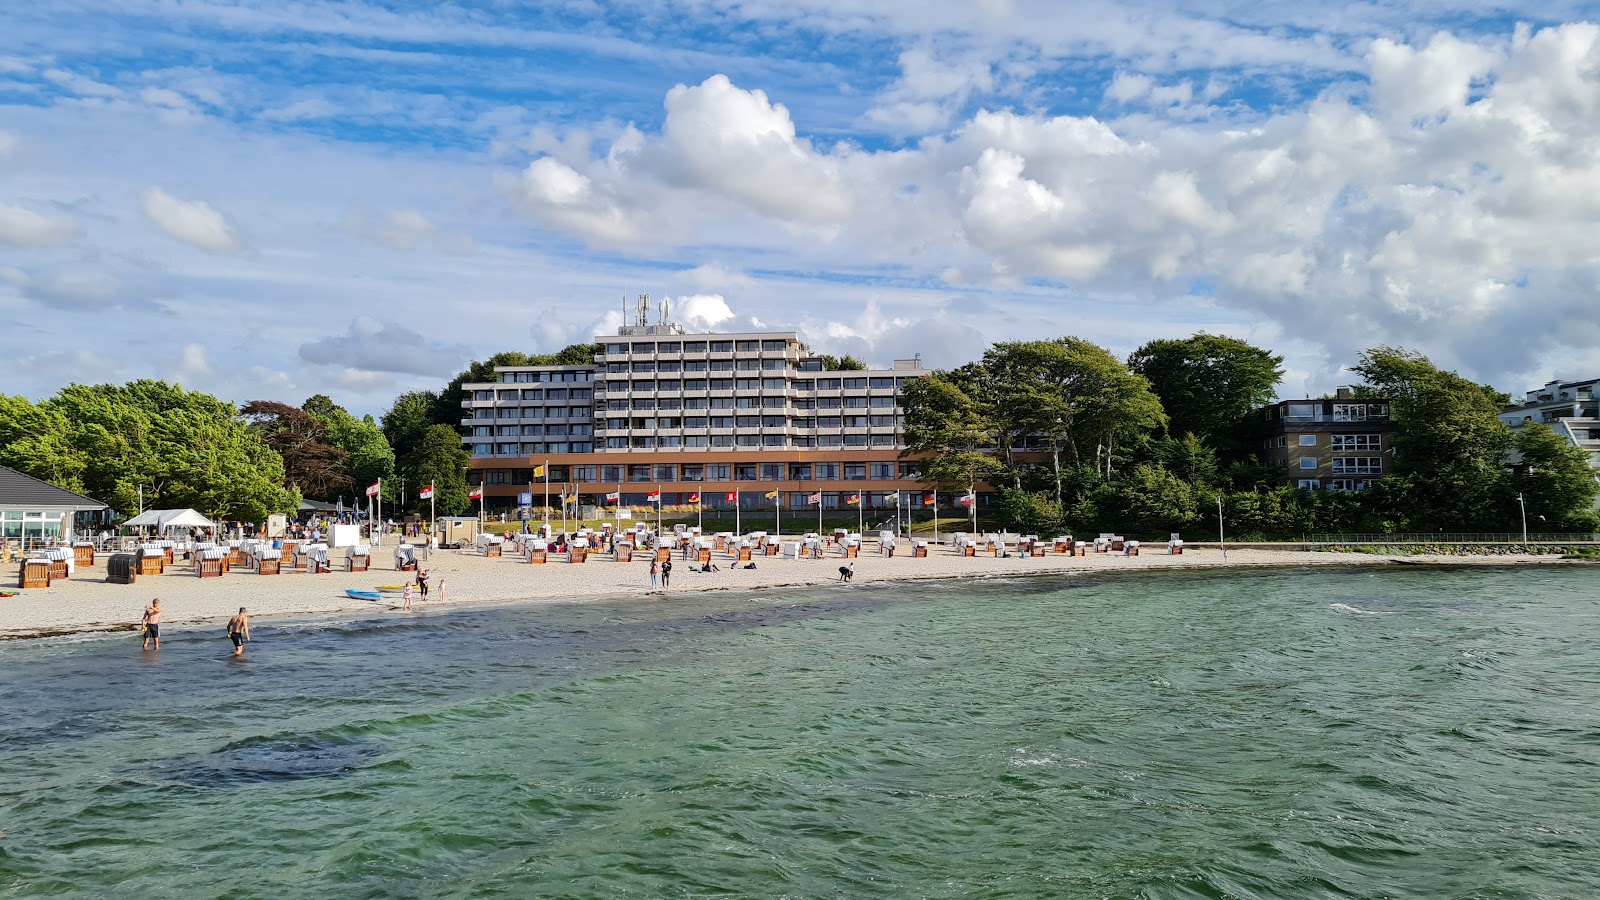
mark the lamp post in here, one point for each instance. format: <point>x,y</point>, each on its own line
<point>1220,541</point>
<point>1523,506</point>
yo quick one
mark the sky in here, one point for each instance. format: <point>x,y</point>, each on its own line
<point>268,200</point>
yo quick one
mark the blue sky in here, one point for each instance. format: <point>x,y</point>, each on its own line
<point>272,200</point>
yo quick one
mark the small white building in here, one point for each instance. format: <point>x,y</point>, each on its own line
<point>34,512</point>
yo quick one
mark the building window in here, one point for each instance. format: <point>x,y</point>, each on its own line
<point>830,440</point>
<point>799,471</point>
<point>827,384</point>
<point>668,347</point>
<point>1357,442</point>
<point>722,346</point>
<point>883,402</point>
<point>694,346</point>
<point>855,471</point>
<point>749,440</point>
<point>584,474</point>
<point>1358,465</point>
<point>1308,484</point>
<point>1308,462</point>
<point>827,471</point>
<point>772,471</point>
<point>694,471</point>
<point>882,440</point>
<point>611,474</point>
<point>881,471</point>
<point>666,472</point>
<point>1308,440</point>
<point>882,383</point>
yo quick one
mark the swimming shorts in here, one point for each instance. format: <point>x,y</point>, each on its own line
<point>237,638</point>
<point>154,629</point>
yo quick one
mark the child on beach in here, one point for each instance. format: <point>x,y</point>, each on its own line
<point>654,568</point>
<point>407,596</point>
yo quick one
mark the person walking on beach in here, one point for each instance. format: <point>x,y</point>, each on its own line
<point>152,624</point>
<point>654,568</point>
<point>666,573</point>
<point>422,583</point>
<point>847,572</point>
<point>407,596</point>
<point>239,631</point>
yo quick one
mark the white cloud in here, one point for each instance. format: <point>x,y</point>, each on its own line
<point>25,228</point>
<point>193,222</point>
<point>373,346</point>
<point>701,312</point>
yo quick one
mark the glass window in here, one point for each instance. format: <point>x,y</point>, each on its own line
<point>1308,484</point>
<point>749,365</point>
<point>721,402</point>
<point>827,384</point>
<point>855,440</point>
<point>694,365</point>
<point>882,440</point>
<point>749,440</point>
<point>829,440</point>
<point>772,471</point>
<point>1308,462</point>
<point>672,386</point>
<point>774,384</point>
<point>749,421</point>
<point>799,471</point>
<point>643,347</point>
<point>1308,440</point>
<point>748,346</point>
<point>644,403</point>
<point>855,471</point>
<point>644,366</point>
<point>695,384</point>
<point>881,382</point>
<point>616,348</point>
<point>694,471</point>
<point>774,421</point>
<point>639,472</point>
<point>694,422</point>
<point>669,366</point>
<point>666,472</point>
<point>883,402</point>
<point>774,440</point>
<point>722,346</point>
<point>854,383</point>
<point>881,471</point>
<point>722,440</point>
<point>669,347</point>
<point>721,384</point>
<point>694,346</point>
<point>774,345</point>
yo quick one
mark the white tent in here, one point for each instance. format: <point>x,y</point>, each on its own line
<point>173,518</point>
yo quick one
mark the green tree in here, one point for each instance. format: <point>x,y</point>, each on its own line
<point>1209,384</point>
<point>1449,444</point>
<point>1149,499</point>
<point>1555,481</point>
<point>846,363</point>
<point>179,448</point>
<point>948,427</point>
<point>1073,395</point>
<point>407,420</point>
<point>440,459</point>
<point>367,451</point>
<point>1028,512</point>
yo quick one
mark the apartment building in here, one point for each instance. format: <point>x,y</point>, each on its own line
<point>1570,408</point>
<point>715,415</point>
<point>1337,444</point>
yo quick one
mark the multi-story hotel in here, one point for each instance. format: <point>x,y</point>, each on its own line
<point>716,415</point>
<point>1338,444</point>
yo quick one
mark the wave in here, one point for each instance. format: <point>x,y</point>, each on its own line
<point>1353,610</point>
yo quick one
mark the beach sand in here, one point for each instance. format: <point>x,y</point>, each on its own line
<point>85,602</point>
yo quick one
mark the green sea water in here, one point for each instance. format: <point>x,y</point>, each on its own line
<point>1395,732</point>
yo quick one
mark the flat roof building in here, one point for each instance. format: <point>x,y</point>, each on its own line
<point>736,415</point>
<point>1332,444</point>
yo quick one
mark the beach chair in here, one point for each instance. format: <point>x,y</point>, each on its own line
<point>623,551</point>
<point>83,553</point>
<point>152,560</point>
<point>122,568</point>
<point>1175,545</point>
<point>317,559</point>
<point>405,558</point>
<point>919,549</point>
<point>358,558</point>
<point>35,573</point>
<point>210,562</point>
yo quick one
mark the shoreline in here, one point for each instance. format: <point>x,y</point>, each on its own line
<point>85,604</point>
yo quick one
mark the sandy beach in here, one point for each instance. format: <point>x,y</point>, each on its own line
<point>85,602</point>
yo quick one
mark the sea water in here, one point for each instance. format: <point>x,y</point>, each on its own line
<point>1402,732</point>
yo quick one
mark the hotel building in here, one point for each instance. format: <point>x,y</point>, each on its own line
<point>711,414</point>
<point>1338,444</point>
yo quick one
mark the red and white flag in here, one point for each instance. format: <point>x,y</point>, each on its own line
<point>653,497</point>
<point>373,488</point>
<point>731,496</point>
<point>815,498</point>
<point>475,494</point>
<point>853,499</point>
<point>426,493</point>
<point>613,497</point>
<point>968,500</point>
<point>694,497</point>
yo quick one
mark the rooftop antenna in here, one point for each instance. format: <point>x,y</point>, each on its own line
<point>644,310</point>
<point>664,309</point>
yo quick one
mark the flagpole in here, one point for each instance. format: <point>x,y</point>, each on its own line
<point>861,512</point>
<point>380,508</point>
<point>658,509</point>
<point>700,511</point>
<point>972,496</point>
<point>618,527</point>
<point>736,512</point>
<point>433,515</point>
<point>936,515</point>
<point>819,513</point>
<point>777,516</point>
<point>546,468</point>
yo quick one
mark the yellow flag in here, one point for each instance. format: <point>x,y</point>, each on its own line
<point>538,471</point>
<point>772,495</point>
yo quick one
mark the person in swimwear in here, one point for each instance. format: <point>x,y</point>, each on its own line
<point>152,624</point>
<point>239,631</point>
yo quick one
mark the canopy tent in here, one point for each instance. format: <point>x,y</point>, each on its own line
<point>174,518</point>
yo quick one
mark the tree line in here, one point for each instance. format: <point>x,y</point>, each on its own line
<point>1073,438</point>
<point>1070,436</point>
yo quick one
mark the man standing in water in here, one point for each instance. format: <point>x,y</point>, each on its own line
<point>152,624</point>
<point>239,631</point>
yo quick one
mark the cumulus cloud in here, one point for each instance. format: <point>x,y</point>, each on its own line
<point>701,312</point>
<point>193,222</point>
<point>408,229</point>
<point>1455,189</point>
<point>24,228</point>
<point>373,346</point>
